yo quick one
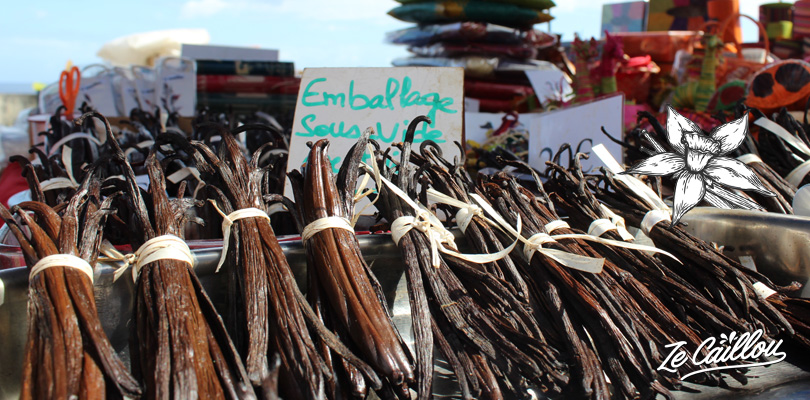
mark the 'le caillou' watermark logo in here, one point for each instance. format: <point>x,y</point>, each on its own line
<point>732,349</point>
<point>699,164</point>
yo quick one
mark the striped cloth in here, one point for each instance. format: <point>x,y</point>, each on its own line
<point>801,19</point>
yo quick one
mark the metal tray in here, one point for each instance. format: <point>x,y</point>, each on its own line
<point>779,244</point>
<point>114,302</point>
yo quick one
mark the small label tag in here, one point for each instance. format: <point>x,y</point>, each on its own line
<point>748,262</point>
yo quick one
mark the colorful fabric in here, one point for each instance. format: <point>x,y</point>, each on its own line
<point>456,11</point>
<point>624,17</point>
<point>801,19</point>
<point>533,4</point>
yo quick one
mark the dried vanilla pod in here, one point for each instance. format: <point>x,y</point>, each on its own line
<point>493,359</point>
<point>272,317</point>
<point>571,193</point>
<point>338,275</point>
<point>615,327</point>
<point>498,286</point>
<point>685,313</point>
<point>723,279</point>
<point>67,352</point>
<point>451,180</point>
<point>719,278</point>
<point>179,345</point>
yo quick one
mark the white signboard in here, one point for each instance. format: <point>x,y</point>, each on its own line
<point>550,84</point>
<point>231,53</point>
<point>574,125</point>
<point>340,103</point>
<point>478,124</point>
<point>471,105</point>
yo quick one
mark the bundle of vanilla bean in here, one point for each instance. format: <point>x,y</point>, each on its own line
<point>341,287</point>
<point>498,287</point>
<point>768,157</point>
<point>492,353</point>
<point>571,191</point>
<point>269,313</point>
<point>179,345</point>
<point>741,292</point>
<point>783,156</point>
<point>67,354</point>
<point>609,320</point>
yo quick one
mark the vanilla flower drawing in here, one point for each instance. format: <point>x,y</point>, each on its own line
<point>700,167</point>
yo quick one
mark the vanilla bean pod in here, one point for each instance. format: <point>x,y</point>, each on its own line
<point>31,174</point>
<point>587,379</point>
<point>179,344</point>
<point>779,157</point>
<point>723,290</point>
<point>355,298</point>
<point>617,333</point>
<point>481,235</point>
<point>496,360</point>
<point>273,316</point>
<point>778,184</point>
<point>720,278</point>
<point>67,352</point>
<point>681,297</point>
<point>492,285</point>
<point>665,287</point>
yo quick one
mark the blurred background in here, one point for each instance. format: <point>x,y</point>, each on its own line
<point>38,38</point>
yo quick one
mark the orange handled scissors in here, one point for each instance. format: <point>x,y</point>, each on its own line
<point>69,89</point>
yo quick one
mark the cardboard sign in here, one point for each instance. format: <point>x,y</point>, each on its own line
<point>551,84</point>
<point>573,125</point>
<point>340,103</point>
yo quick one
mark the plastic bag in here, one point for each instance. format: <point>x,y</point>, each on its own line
<point>145,48</point>
<point>176,86</point>
<point>96,90</point>
<point>126,95</point>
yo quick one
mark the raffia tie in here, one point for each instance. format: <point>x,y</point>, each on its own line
<point>61,260</point>
<point>228,221</point>
<point>165,247</point>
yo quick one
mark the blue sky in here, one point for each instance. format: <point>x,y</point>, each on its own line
<point>38,38</point>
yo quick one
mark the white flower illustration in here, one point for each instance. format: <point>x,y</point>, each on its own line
<point>699,167</point>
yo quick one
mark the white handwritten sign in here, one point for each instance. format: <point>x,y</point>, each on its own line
<point>340,103</point>
<point>575,125</point>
